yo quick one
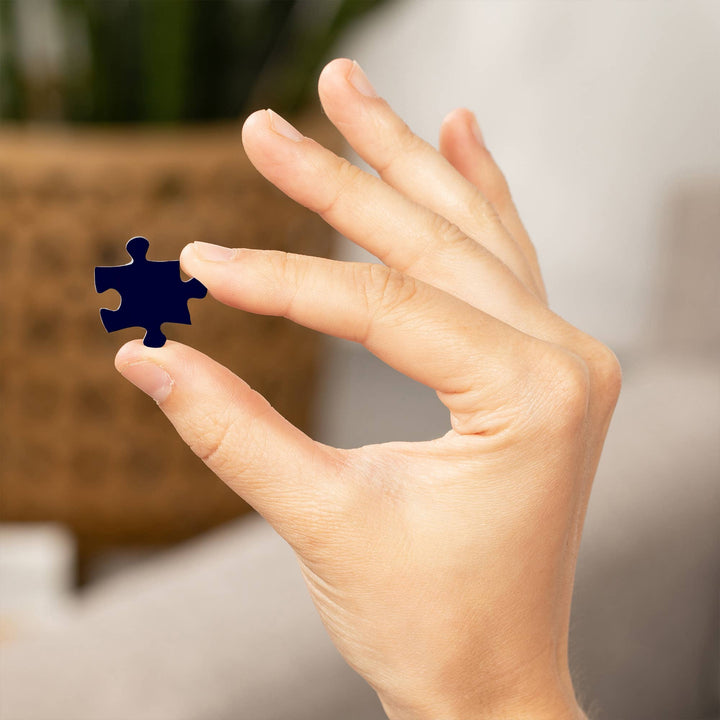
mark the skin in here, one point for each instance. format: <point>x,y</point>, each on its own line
<point>442,570</point>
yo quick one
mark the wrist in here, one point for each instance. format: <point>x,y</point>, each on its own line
<point>535,710</point>
<point>536,701</point>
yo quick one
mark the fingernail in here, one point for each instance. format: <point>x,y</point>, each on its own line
<point>476,131</point>
<point>214,253</point>
<point>358,79</point>
<point>150,378</point>
<point>282,127</point>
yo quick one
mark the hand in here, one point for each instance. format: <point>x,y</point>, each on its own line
<point>442,570</point>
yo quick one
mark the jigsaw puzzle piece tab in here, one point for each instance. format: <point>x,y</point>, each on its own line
<point>137,248</point>
<point>154,338</point>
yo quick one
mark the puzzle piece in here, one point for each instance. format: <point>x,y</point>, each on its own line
<point>153,293</point>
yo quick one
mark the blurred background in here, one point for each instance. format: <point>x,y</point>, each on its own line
<point>133,584</point>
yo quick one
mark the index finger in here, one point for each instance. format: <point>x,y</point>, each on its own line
<point>421,331</point>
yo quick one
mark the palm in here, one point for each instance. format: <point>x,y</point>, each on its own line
<point>456,517</point>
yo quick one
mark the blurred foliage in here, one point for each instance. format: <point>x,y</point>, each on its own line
<point>163,60</point>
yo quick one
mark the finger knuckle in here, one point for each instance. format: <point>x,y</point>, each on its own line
<point>495,186</point>
<point>384,291</point>
<point>286,272</point>
<point>213,436</point>
<point>346,176</point>
<point>223,435</point>
<point>410,143</point>
<point>566,380</point>
<point>606,373</point>
<point>447,232</point>
<point>482,210</point>
<point>273,264</point>
<point>400,143</point>
<point>389,289</point>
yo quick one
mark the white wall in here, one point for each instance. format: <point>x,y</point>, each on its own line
<point>598,112</point>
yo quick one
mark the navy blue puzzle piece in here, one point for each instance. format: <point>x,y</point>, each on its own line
<point>152,293</point>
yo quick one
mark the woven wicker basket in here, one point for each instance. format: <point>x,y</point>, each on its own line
<point>78,444</point>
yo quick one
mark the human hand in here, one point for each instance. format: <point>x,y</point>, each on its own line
<point>442,570</point>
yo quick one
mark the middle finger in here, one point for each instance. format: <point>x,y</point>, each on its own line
<point>412,166</point>
<point>403,234</point>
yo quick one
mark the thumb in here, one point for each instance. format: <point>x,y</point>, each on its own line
<point>284,474</point>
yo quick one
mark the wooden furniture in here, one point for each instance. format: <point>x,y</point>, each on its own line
<point>79,444</point>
